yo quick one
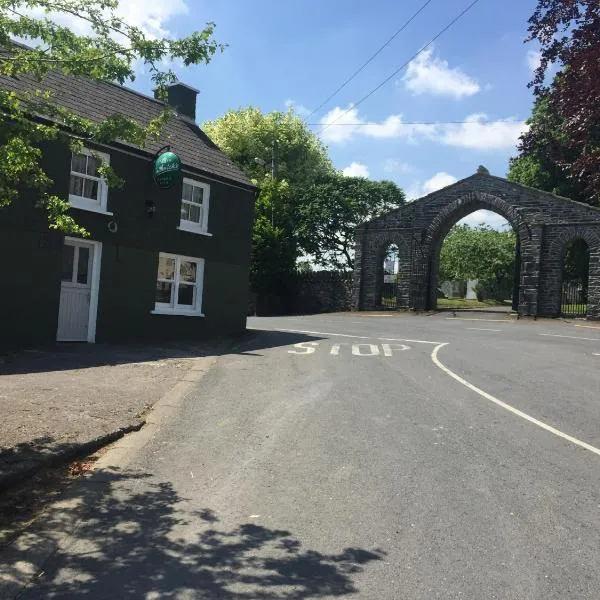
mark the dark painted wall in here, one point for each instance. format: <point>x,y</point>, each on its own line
<point>30,282</point>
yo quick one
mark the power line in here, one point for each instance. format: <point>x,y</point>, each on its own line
<point>371,58</point>
<point>353,106</point>
<point>480,122</point>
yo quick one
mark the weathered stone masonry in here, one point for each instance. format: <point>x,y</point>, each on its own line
<point>545,224</point>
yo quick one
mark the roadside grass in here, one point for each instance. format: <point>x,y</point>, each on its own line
<point>462,303</point>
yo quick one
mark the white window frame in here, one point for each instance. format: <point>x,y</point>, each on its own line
<point>83,203</point>
<point>171,308</point>
<point>190,226</point>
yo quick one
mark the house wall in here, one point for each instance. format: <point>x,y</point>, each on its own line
<point>31,258</point>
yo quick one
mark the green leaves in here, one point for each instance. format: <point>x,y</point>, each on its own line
<point>480,253</point>
<point>109,50</point>
<point>330,210</point>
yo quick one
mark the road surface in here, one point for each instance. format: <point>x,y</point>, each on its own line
<point>369,457</point>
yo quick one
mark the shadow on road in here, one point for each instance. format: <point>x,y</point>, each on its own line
<point>70,356</point>
<point>261,339</point>
<point>139,539</point>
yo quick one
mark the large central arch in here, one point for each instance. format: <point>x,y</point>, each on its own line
<point>544,224</point>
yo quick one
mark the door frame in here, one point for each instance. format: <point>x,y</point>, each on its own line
<point>95,283</point>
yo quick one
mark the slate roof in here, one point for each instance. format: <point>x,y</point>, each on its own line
<point>96,100</point>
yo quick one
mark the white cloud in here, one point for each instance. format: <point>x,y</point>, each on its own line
<point>299,109</point>
<point>356,170</point>
<point>430,74</point>
<point>485,217</point>
<point>477,133</point>
<point>533,59</point>
<point>341,125</point>
<point>437,182</point>
<point>391,165</point>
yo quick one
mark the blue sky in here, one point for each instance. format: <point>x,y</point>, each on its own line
<point>299,52</point>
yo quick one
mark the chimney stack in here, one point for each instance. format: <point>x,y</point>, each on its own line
<point>182,98</point>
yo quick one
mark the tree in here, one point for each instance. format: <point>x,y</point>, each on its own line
<point>477,253</point>
<point>568,32</point>
<point>331,209</point>
<point>538,166</point>
<point>248,134</point>
<point>109,51</point>
<point>282,156</point>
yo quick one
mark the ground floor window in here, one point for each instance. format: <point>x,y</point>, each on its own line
<point>179,284</point>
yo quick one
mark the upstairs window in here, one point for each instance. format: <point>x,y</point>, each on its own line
<point>194,206</point>
<point>179,285</point>
<point>87,188</point>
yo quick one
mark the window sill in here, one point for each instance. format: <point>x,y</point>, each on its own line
<point>192,229</point>
<point>88,207</point>
<point>182,313</point>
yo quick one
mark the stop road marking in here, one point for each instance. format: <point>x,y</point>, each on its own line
<point>361,349</point>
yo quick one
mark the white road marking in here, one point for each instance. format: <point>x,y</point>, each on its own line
<point>373,350</point>
<point>308,347</point>
<point>596,353</point>
<point>387,348</point>
<point>354,337</point>
<point>571,337</point>
<point>508,407</point>
<point>588,326</point>
<point>482,329</point>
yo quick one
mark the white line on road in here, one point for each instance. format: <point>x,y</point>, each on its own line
<point>571,337</point>
<point>588,326</point>
<point>482,329</point>
<point>508,407</point>
<point>596,353</point>
<point>355,337</point>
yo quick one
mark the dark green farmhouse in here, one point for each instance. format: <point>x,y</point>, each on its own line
<point>166,259</point>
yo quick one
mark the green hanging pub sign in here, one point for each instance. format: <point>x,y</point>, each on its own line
<point>166,169</point>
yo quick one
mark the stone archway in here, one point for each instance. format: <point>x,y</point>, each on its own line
<point>544,224</point>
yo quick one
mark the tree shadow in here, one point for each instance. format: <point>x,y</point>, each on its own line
<point>137,538</point>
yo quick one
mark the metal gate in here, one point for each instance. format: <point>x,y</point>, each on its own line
<point>389,291</point>
<point>574,299</point>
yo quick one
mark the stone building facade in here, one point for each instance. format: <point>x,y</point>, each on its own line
<point>545,225</point>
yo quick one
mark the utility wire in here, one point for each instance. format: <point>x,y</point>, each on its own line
<point>370,59</point>
<point>429,43</point>
<point>481,122</point>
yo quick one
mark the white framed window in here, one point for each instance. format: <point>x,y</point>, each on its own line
<point>88,190</point>
<point>194,206</point>
<point>179,283</point>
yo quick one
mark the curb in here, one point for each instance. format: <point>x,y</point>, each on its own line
<point>65,455</point>
<point>24,559</point>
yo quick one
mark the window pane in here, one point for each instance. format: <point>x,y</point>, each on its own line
<point>90,189</point>
<point>83,264</point>
<point>78,162</point>
<point>163,292</point>
<point>198,194</point>
<point>187,271</point>
<point>92,166</point>
<point>195,212</point>
<point>186,295</point>
<point>185,211</point>
<point>68,254</point>
<point>76,186</point>
<point>187,192</point>
<point>166,268</point>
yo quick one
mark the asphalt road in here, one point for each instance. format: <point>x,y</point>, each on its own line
<point>348,455</point>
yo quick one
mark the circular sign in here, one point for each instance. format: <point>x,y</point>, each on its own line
<point>167,170</point>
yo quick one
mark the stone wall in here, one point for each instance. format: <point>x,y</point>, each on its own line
<point>322,291</point>
<point>544,223</point>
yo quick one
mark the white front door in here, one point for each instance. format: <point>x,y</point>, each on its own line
<point>78,266</point>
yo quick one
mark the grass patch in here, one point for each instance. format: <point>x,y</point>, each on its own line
<point>462,303</point>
